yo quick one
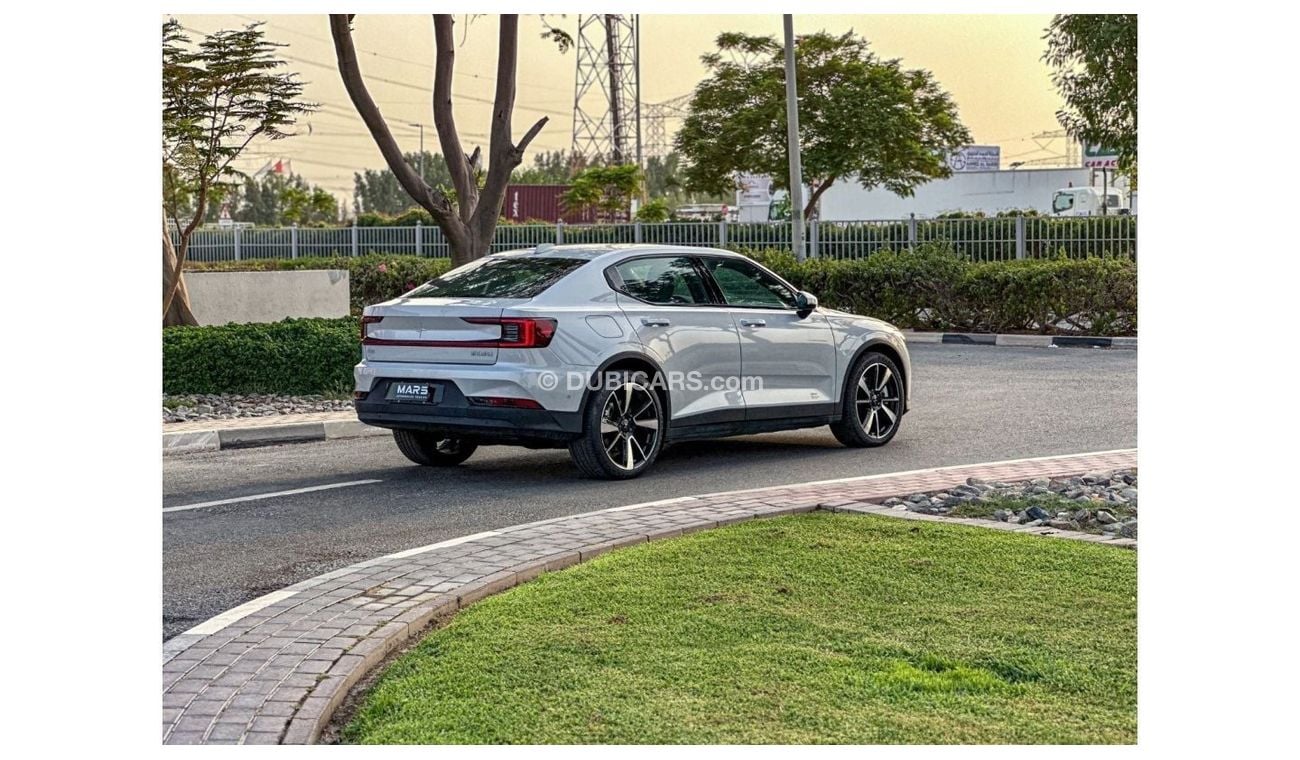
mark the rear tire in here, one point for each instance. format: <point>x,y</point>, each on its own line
<point>872,404</point>
<point>622,429</point>
<point>433,449</point>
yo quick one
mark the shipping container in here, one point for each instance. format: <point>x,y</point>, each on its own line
<point>541,203</point>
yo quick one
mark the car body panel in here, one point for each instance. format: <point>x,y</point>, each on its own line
<point>691,343</point>
<point>794,358</point>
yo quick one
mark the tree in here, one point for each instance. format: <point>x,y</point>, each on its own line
<point>469,219</point>
<point>654,210</point>
<point>607,190</point>
<point>662,176</point>
<point>858,114</point>
<point>378,190</point>
<point>218,96</point>
<point>301,204</point>
<point>274,199</point>
<point>550,167</point>
<point>1095,62</point>
<point>664,180</point>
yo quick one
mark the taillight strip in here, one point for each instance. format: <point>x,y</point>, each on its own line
<point>534,332</point>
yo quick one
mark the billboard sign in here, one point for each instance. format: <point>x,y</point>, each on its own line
<point>1097,156</point>
<point>976,158</point>
<point>753,189</point>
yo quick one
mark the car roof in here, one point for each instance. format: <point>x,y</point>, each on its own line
<point>612,251</point>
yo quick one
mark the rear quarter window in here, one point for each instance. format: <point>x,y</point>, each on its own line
<point>499,277</point>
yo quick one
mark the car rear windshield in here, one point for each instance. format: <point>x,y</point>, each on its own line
<point>499,277</point>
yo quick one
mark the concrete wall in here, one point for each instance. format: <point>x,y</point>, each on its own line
<point>221,297</point>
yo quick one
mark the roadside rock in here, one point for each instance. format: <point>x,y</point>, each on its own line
<point>1037,513</point>
<point>234,406</point>
<point>1098,502</point>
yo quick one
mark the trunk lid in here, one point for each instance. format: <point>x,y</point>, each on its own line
<point>434,330</point>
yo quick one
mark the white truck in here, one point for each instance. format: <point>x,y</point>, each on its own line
<point>1088,201</point>
<point>989,192</point>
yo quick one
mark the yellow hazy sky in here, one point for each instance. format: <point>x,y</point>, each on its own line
<point>990,63</point>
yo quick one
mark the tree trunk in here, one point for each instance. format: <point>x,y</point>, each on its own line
<point>816,196</point>
<point>178,312</point>
<point>476,246</point>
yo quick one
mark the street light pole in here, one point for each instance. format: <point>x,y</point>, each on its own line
<point>792,138</point>
<point>421,128</point>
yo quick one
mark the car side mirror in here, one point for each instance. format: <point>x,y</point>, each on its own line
<point>804,303</point>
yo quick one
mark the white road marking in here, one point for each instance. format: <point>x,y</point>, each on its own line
<point>272,495</point>
<point>441,545</point>
<point>660,503</point>
<point>212,625</point>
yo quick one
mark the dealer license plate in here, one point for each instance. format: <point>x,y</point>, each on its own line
<point>420,393</point>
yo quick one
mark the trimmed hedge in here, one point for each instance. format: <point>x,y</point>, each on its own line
<point>929,289</point>
<point>296,356</point>
<point>371,279</point>
<point>933,288</point>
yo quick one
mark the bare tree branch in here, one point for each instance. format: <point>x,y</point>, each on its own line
<point>503,154</point>
<point>462,177</point>
<point>435,202</point>
<point>530,134</point>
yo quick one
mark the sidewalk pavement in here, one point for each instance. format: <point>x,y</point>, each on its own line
<point>274,670</point>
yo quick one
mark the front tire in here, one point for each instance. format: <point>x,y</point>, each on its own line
<point>432,449</point>
<point>872,403</point>
<point>623,427</point>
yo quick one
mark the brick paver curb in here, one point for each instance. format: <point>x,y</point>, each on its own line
<point>212,435</point>
<point>275,669</point>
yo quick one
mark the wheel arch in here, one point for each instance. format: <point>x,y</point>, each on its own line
<point>631,360</point>
<point>880,346</point>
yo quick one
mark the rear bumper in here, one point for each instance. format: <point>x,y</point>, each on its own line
<point>455,415</point>
<point>532,375</point>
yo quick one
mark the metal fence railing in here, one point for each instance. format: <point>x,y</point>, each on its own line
<point>980,239</point>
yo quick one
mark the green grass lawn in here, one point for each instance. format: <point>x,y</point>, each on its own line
<point>818,628</point>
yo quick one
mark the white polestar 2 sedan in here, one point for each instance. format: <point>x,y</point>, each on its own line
<point>614,351</point>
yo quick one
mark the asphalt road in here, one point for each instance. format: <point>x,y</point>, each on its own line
<point>970,404</point>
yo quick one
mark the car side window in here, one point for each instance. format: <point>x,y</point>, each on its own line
<point>744,284</point>
<point>663,280</point>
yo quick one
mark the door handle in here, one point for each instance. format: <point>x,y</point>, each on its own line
<point>655,321</point>
<point>753,323</point>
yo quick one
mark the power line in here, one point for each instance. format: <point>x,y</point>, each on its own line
<point>397,83</point>
<point>422,64</point>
